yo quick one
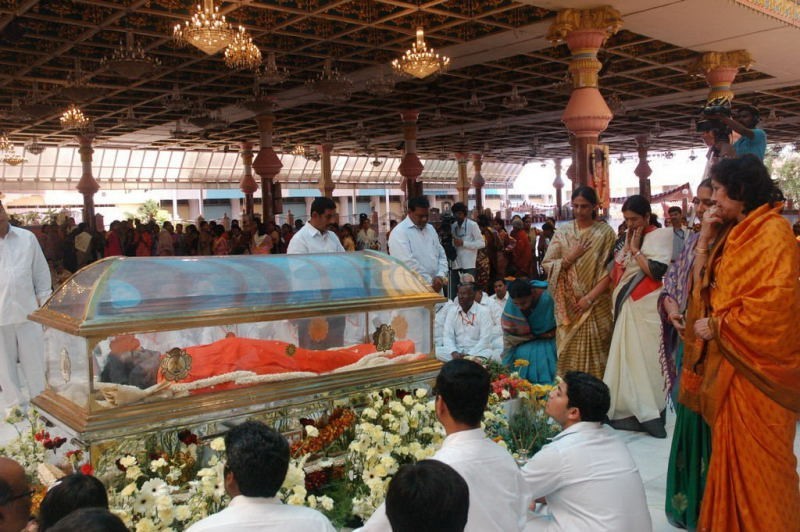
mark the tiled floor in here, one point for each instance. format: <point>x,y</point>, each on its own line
<point>651,456</point>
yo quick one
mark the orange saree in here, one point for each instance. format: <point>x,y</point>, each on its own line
<point>747,384</point>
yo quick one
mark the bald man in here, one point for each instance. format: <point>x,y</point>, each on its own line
<point>15,496</point>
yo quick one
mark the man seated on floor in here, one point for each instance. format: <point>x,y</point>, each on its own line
<point>468,329</point>
<point>497,499</point>
<point>586,474</point>
<point>15,496</point>
<point>257,459</point>
<point>429,496</point>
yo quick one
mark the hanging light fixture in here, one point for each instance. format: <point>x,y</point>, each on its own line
<point>299,151</point>
<point>516,101</point>
<point>241,53</point>
<point>206,30</point>
<point>419,61</point>
<point>438,119</point>
<point>474,105</point>
<point>130,119</point>
<point>130,60</point>
<point>271,74</point>
<point>175,101</point>
<point>34,146</point>
<point>73,118</point>
<point>77,88</point>
<point>5,144</point>
<point>12,159</point>
<point>382,85</point>
<point>179,133</point>
<point>331,83</point>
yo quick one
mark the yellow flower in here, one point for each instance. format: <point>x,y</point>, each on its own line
<point>521,362</point>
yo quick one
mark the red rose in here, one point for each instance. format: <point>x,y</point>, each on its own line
<point>87,469</point>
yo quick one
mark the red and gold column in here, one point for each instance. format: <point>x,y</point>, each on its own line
<point>410,167</point>
<point>248,185</point>
<point>462,183</point>
<point>586,114</point>
<point>720,69</point>
<point>643,170</point>
<point>478,181</point>
<point>558,184</point>
<point>326,184</point>
<point>88,185</point>
<point>267,165</point>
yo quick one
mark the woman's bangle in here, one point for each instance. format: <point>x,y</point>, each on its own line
<point>701,251</point>
<point>589,299</point>
<point>637,253</point>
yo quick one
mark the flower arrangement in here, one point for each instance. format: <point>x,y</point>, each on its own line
<point>394,428</point>
<point>321,435</point>
<point>33,444</point>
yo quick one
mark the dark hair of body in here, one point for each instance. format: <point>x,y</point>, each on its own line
<point>322,204</point>
<point>258,457</point>
<point>588,394</point>
<point>464,388</point>
<point>69,494</point>
<point>90,520</point>
<point>746,179</point>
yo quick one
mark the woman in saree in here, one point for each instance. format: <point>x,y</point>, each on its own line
<point>633,371</point>
<point>575,264</point>
<point>485,262</point>
<point>742,362</point>
<point>522,253</point>
<point>503,247</point>
<point>529,330</point>
<point>691,440</point>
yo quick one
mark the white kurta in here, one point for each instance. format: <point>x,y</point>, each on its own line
<point>309,239</point>
<point>419,249</point>
<point>467,253</point>
<point>24,285</point>
<point>263,514</point>
<point>497,498</point>
<point>467,332</point>
<point>590,481</point>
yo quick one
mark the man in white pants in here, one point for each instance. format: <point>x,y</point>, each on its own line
<point>24,285</point>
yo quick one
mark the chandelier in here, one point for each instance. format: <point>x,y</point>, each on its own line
<point>5,144</point>
<point>175,101</point>
<point>516,101</point>
<point>474,105</point>
<point>616,105</point>
<point>179,133</point>
<point>311,154</point>
<point>438,119</point>
<point>241,53</point>
<point>73,118</point>
<point>130,60</point>
<point>12,159</point>
<point>382,85</point>
<point>299,151</point>
<point>34,105</point>
<point>130,119</point>
<point>34,146</point>
<point>77,88</point>
<point>271,74</point>
<point>260,103</point>
<point>207,29</point>
<point>15,112</point>
<point>419,61</point>
<point>331,83</point>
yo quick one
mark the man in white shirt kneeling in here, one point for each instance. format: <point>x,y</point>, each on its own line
<point>586,474</point>
<point>257,459</point>
<point>497,501</point>
<point>467,329</point>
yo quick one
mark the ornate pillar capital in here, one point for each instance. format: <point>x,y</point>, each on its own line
<point>720,69</point>
<point>247,184</point>
<point>267,165</point>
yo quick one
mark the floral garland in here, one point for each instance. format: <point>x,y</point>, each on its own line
<point>321,437</point>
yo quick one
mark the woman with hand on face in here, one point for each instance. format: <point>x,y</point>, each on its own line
<point>633,371</point>
<point>741,366</point>
<point>575,264</point>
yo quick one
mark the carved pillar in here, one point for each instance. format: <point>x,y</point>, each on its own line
<point>643,169</point>
<point>410,167</point>
<point>462,183</point>
<point>720,69</point>
<point>87,185</point>
<point>326,184</point>
<point>558,184</point>
<point>586,114</point>
<point>478,181</point>
<point>267,165</point>
<point>248,185</point>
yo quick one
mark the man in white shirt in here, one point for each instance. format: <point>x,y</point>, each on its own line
<point>257,459</point>
<point>586,474</point>
<point>467,239</point>
<point>314,236</point>
<point>415,242</point>
<point>500,296</point>
<point>467,329</point>
<point>24,285</point>
<point>497,501</point>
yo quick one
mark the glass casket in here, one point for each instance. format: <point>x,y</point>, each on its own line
<point>138,345</point>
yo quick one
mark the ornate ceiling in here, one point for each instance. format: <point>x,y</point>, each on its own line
<point>645,79</point>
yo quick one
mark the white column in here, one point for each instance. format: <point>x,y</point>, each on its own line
<point>174,205</point>
<point>432,200</point>
<point>236,209</point>
<point>307,215</point>
<point>343,209</point>
<point>388,209</point>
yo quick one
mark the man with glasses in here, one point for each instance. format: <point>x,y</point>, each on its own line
<point>15,497</point>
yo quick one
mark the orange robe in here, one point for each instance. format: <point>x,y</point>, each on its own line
<point>749,390</point>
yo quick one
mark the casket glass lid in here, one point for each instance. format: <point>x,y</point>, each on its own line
<point>125,292</point>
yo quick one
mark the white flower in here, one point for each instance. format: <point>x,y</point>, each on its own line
<point>408,400</point>
<point>369,413</point>
<point>146,525</point>
<point>143,503</point>
<point>128,461</point>
<point>128,490</point>
<point>155,487</point>
<point>312,431</point>
<point>183,513</point>
<point>298,496</point>
<point>326,503</point>
<point>506,394</point>
<point>133,473</point>
<point>295,475</point>
<point>155,465</point>
<point>421,392</point>
<point>311,501</point>
<point>218,444</point>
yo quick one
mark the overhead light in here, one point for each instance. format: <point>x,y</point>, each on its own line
<point>12,159</point>
<point>5,144</point>
<point>206,30</point>
<point>175,101</point>
<point>271,74</point>
<point>241,53</point>
<point>299,150</point>
<point>34,146</point>
<point>130,60</point>
<point>73,118</point>
<point>515,102</point>
<point>383,85</point>
<point>77,88</point>
<point>438,119</point>
<point>130,119</point>
<point>419,61</point>
<point>474,105</point>
<point>179,133</point>
<point>331,83</point>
